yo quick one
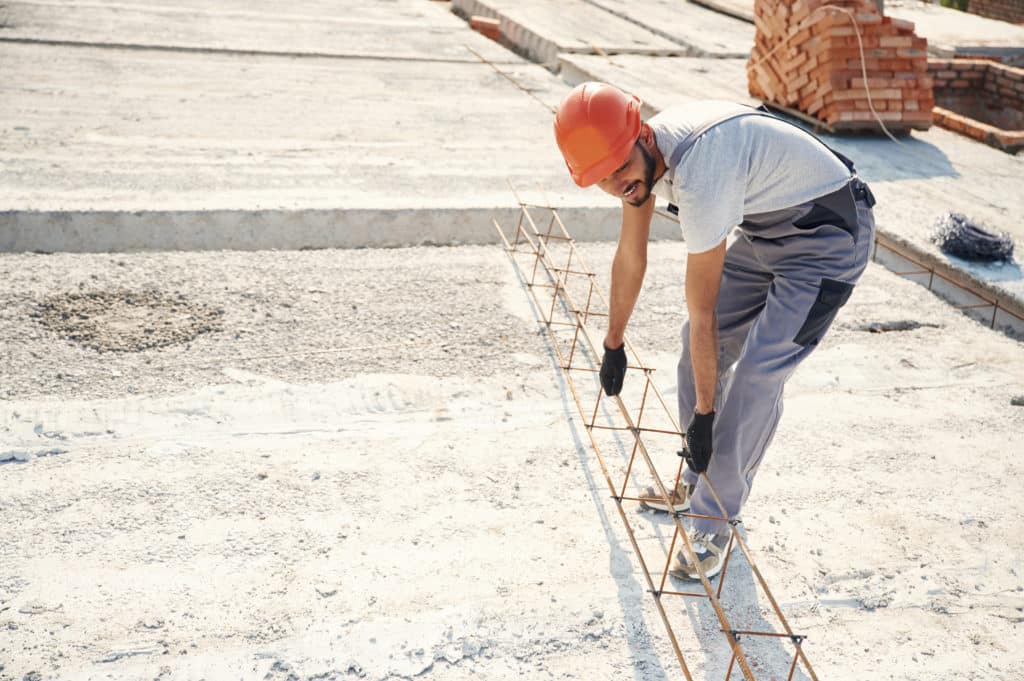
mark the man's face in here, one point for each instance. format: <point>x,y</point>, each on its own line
<point>634,179</point>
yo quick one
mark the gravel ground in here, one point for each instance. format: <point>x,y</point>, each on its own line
<point>93,326</point>
<point>362,464</point>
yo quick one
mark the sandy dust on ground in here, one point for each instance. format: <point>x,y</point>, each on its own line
<point>365,465</point>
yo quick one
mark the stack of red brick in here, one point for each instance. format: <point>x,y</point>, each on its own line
<point>817,69</point>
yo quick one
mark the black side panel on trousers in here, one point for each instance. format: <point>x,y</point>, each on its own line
<point>832,295</point>
<point>837,208</point>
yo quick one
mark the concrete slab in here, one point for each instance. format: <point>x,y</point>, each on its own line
<point>689,79</point>
<point>542,30</point>
<point>404,29</point>
<point>136,125</point>
<point>705,32</point>
<point>916,180</point>
<point>368,468</point>
<point>109,149</point>
<point>949,32</point>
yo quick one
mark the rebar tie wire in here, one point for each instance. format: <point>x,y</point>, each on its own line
<point>528,244</point>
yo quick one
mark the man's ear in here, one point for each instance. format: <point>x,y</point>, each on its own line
<point>647,136</point>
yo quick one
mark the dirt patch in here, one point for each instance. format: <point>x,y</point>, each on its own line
<point>126,321</point>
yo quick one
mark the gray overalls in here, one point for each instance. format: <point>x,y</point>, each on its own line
<point>784,280</point>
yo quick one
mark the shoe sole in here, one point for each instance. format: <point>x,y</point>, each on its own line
<point>660,506</point>
<point>679,574</point>
<point>657,504</point>
<point>713,572</point>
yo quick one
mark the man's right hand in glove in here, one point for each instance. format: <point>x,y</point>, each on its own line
<point>613,369</point>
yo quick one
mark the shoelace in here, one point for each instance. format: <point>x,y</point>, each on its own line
<point>700,541</point>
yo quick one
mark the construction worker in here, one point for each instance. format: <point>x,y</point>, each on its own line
<point>756,308</point>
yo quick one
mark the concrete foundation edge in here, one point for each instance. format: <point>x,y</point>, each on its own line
<point>252,230</point>
<point>965,280</point>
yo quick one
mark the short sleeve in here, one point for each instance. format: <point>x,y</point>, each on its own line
<point>709,185</point>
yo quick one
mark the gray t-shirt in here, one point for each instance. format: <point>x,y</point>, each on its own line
<point>744,166</point>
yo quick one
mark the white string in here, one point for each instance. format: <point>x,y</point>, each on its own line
<point>811,18</point>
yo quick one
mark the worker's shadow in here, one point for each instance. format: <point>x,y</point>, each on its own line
<point>880,159</point>
<point>631,592</point>
<point>647,666</point>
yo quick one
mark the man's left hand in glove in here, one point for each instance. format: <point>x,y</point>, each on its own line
<point>698,441</point>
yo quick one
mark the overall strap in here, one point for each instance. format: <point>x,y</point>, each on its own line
<point>695,134</point>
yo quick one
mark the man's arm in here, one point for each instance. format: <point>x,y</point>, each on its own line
<point>703,279</point>
<point>628,268</point>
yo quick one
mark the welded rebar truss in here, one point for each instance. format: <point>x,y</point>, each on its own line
<point>533,252</point>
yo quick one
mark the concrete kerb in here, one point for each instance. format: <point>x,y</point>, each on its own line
<point>253,230</point>
<point>974,296</point>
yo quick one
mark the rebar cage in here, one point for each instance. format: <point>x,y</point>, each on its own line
<point>627,433</point>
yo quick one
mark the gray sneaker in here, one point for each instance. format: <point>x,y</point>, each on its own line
<point>652,500</point>
<point>710,551</point>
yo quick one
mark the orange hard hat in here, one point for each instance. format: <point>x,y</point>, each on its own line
<point>596,126</point>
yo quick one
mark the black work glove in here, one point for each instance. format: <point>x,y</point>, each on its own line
<point>698,441</point>
<point>613,369</point>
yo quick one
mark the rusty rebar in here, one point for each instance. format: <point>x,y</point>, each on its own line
<point>562,298</point>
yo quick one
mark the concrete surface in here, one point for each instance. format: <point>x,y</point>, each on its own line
<point>367,468</point>
<point>406,29</point>
<point>951,32</point>
<point>542,30</point>
<point>915,181</point>
<point>110,148</point>
<point>705,32</point>
<point>673,82</point>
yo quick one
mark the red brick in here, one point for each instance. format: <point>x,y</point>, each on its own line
<point>895,41</point>
<point>869,19</point>
<point>977,132</point>
<point>869,64</point>
<point>902,24</point>
<point>871,82</point>
<point>842,31</point>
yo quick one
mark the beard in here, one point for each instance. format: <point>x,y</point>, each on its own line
<point>648,183</point>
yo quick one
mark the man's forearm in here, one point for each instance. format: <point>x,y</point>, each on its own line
<point>704,360</point>
<point>627,280</point>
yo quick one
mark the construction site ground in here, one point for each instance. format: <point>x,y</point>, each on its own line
<point>367,466</point>
<point>362,463</point>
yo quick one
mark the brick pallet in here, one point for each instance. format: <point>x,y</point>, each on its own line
<point>818,71</point>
